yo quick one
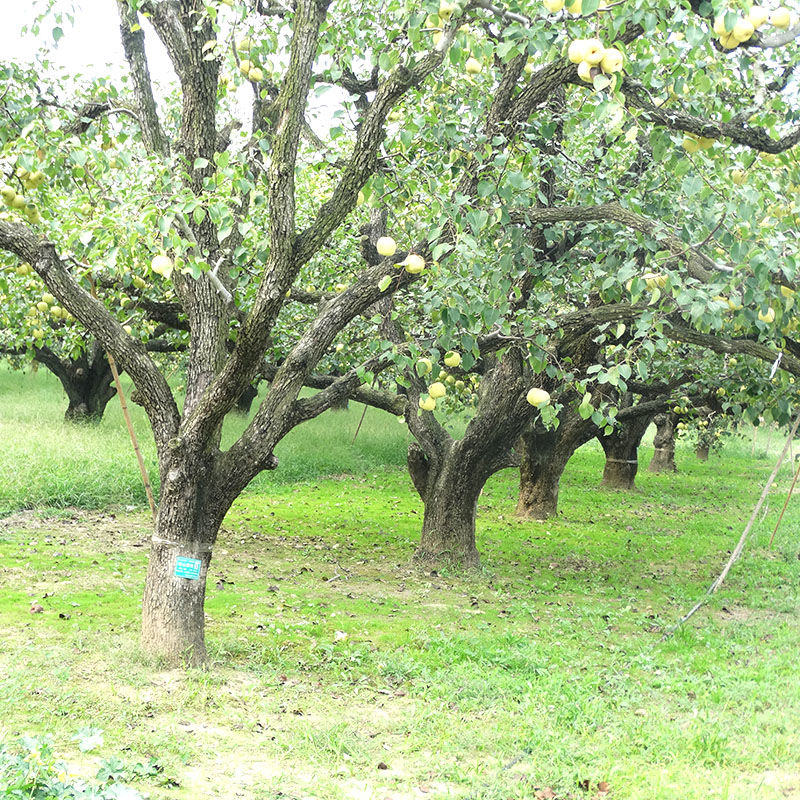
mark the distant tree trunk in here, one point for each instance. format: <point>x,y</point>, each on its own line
<point>664,444</point>
<point>450,474</point>
<point>543,456</point>
<point>701,451</point>
<point>621,449</point>
<point>539,476</point>
<point>245,399</point>
<point>87,381</point>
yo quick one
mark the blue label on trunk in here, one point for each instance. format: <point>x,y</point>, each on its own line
<point>188,568</point>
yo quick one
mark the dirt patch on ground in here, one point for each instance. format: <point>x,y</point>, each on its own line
<point>123,531</point>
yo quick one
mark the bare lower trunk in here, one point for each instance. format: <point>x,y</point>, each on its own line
<point>448,527</point>
<point>664,445</point>
<point>620,473</point>
<point>542,463</point>
<point>701,451</point>
<point>621,448</point>
<point>538,491</point>
<point>173,620</point>
<point>87,403</point>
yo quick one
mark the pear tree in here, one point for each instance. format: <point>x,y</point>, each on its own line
<point>523,184</point>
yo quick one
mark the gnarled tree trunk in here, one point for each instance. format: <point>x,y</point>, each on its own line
<point>450,474</point>
<point>543,456</point>
<point>664,444</point>
<point>87,380</point>
<point>451,506</point>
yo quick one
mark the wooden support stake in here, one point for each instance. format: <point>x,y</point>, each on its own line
<point>125,413</point>
<point>783,510</point>
<point>737,551</point>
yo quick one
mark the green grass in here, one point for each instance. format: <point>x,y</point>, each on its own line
<point>332,658</point>
<point>48,463</point>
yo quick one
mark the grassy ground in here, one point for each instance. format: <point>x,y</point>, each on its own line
<point>340,672</point>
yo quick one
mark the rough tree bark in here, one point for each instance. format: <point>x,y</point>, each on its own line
<point>664,444</point>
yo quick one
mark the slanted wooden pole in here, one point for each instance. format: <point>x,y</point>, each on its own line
<point>136,449</point>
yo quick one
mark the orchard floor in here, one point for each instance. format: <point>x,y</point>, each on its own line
<point>338,671</point>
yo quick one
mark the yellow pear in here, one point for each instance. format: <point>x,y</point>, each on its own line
<point>594,52</point>
<point>767,316</point>
<point>473,66</point>
<point>538,397</point>
<point>691,145</point>
<point>437,390</point>
<point>757,15</point>
<point>162,265</point>
<point>452,358</point>
<point>427,403</point>
<point>743,30</point>
<point>386,246</point>
<point>414,263</point>
<point>585,71</point>
<point>780,17</point>
<point>577,50</point>
<point>611,61</point>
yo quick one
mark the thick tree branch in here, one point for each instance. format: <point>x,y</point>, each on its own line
<point>680,332</point>
<point>739,132</point>
<point>155,141</point>
<point>699,266</point>
<point>153,390</point>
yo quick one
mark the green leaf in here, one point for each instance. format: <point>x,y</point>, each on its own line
<point>601,82</point>
<point>384,282</point>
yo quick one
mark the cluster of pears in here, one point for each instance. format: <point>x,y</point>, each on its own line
<point>16,201</point>
<point>683,408</point>
<point>251,71</point>
<point>592,58</point>
<point>435,22</point>
<point>413,263</point>
<point>47,305</point>
<point>744,27</point>
<point>438,389</point>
